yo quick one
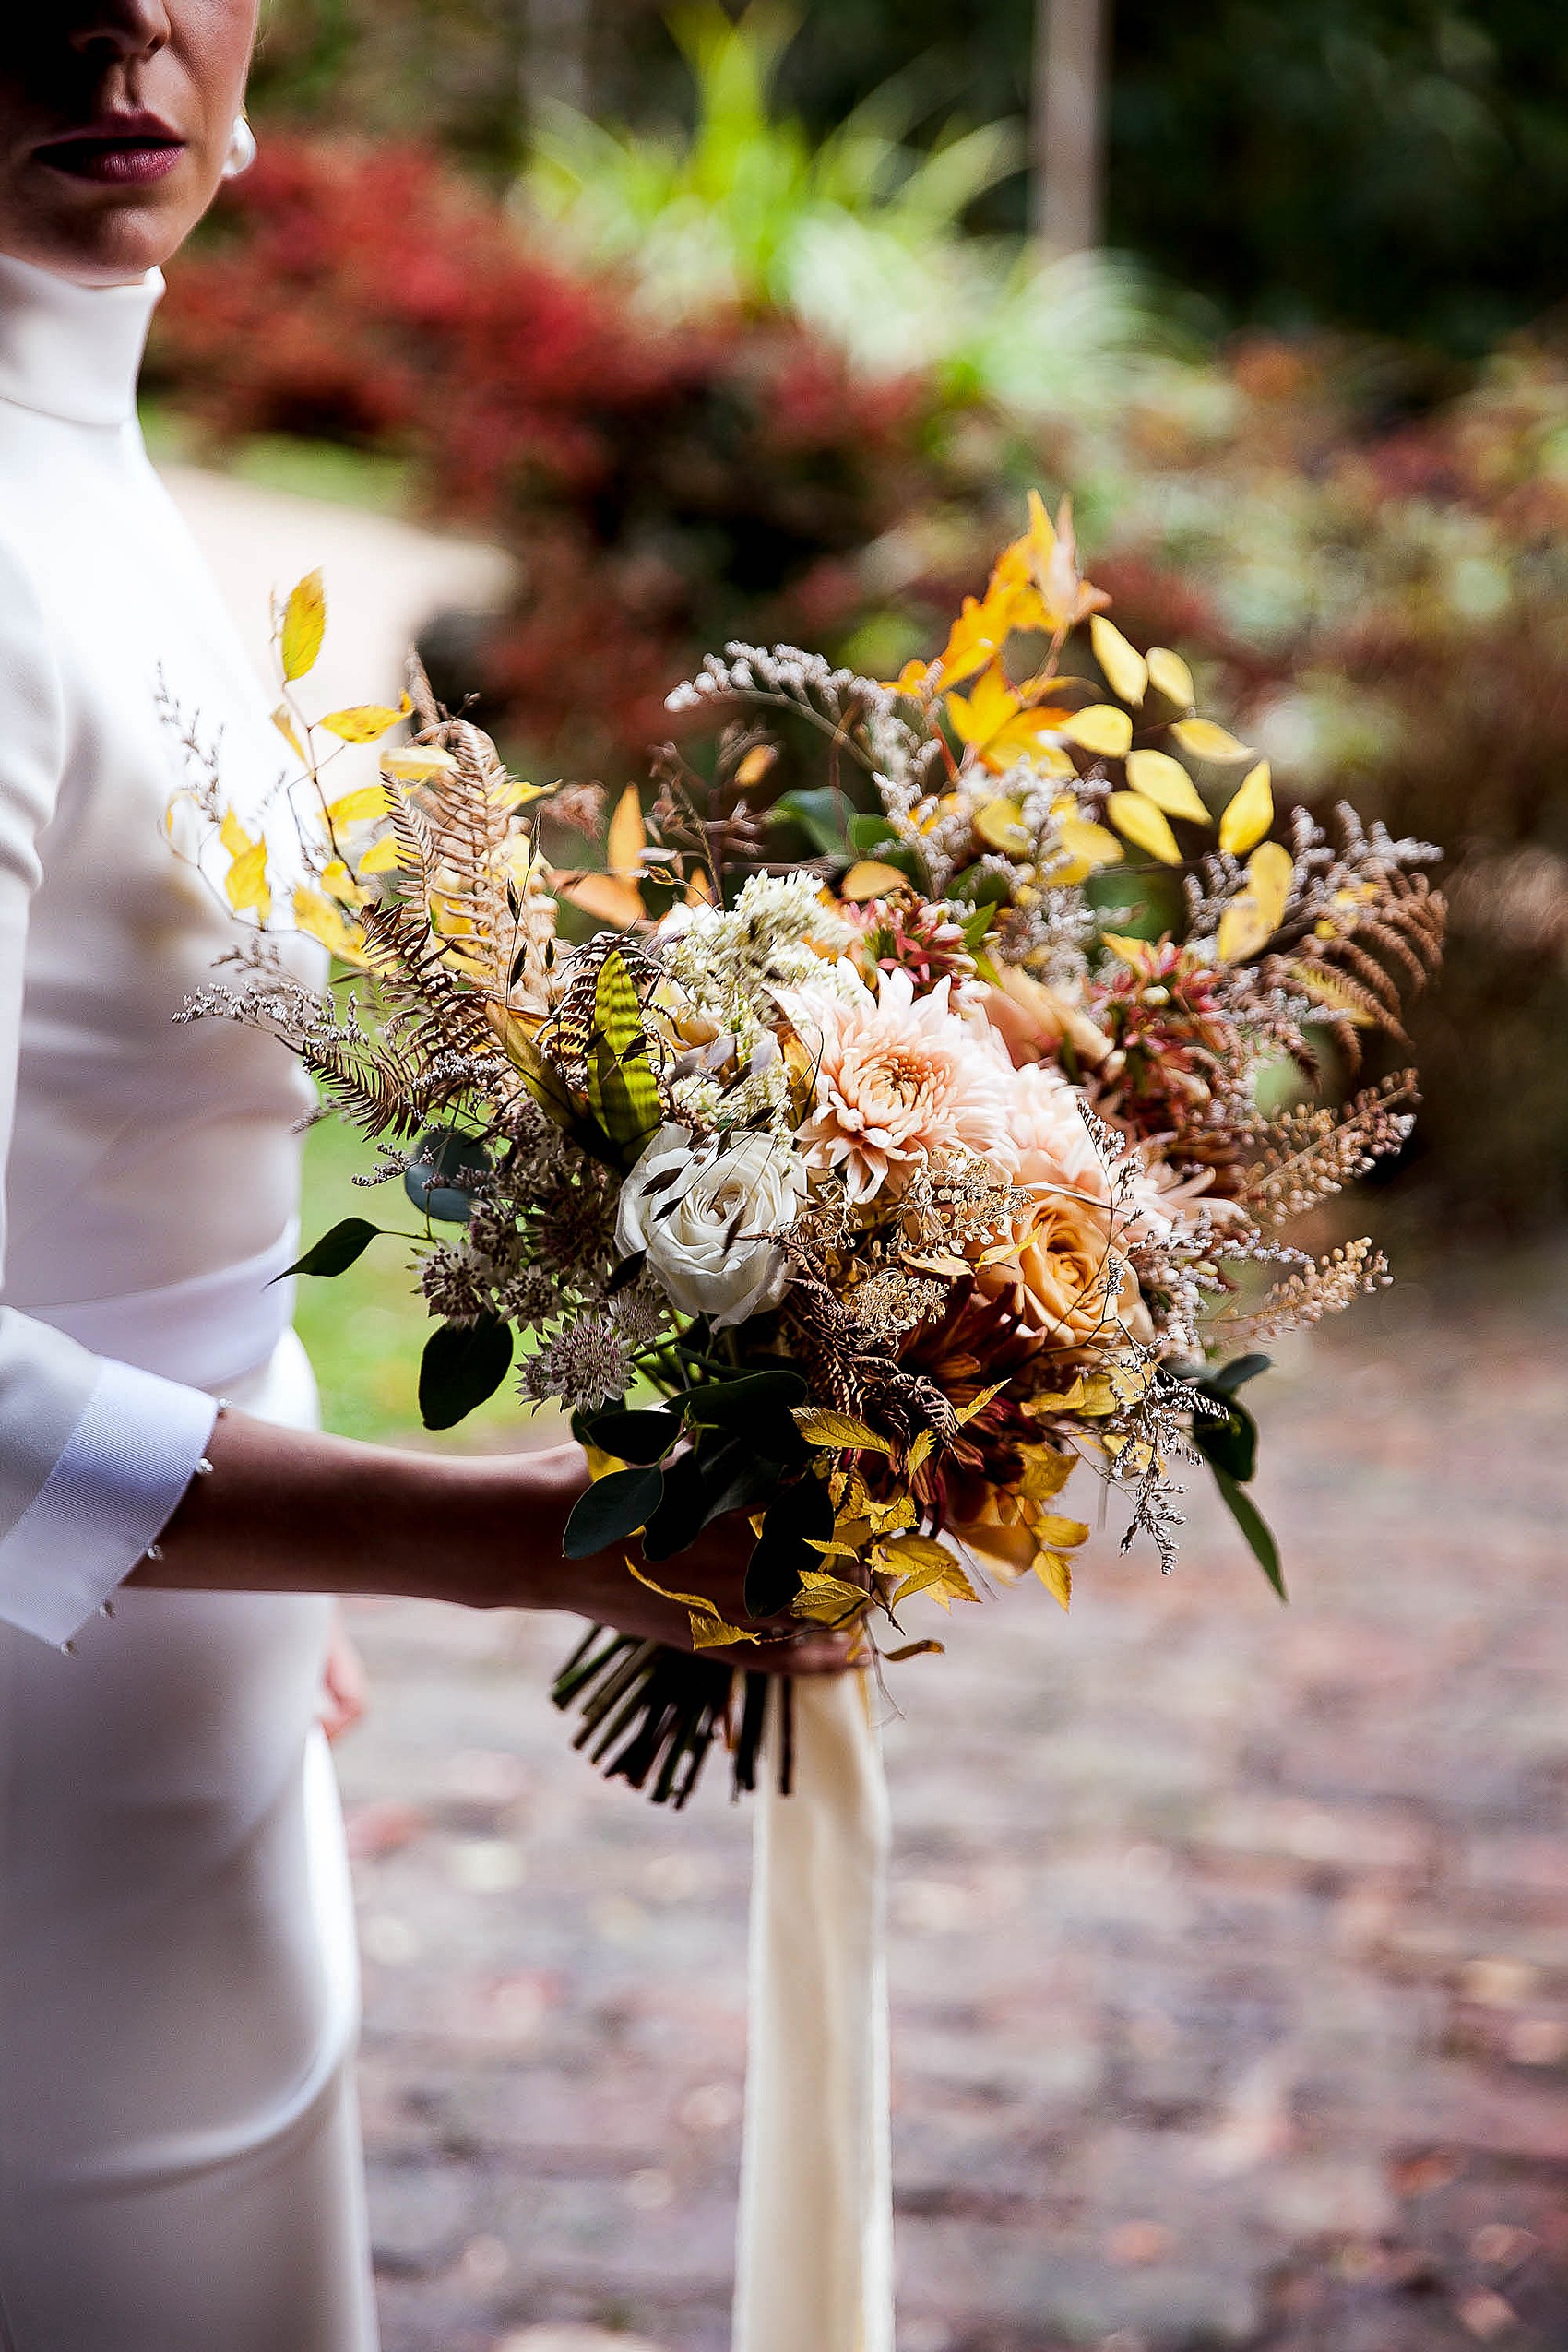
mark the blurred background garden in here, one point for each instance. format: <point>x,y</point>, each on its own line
<point>1235,1952</point>
<point>760,323</point>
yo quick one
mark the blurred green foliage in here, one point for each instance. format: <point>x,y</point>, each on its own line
<point>365,1330</point>
<point>1400,165</point>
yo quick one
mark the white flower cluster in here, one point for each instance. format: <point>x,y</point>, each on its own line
<point>725,964</point>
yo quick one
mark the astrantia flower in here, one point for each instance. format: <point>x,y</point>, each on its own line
<point>901,1080</point>
<point>710,1217</point>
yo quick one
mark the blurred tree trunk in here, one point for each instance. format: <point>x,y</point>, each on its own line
<point>556,39</point>
<point>1071,44</point>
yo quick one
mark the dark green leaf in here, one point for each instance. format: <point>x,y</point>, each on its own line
<point>978,886</point>
<point>1245,1513</point>
<point>679,1518</point>
<point>612,1509</point>
<point>872,834</point>
<point>337,1251</point>
<point>463,1363</point>
<point>820,813</point>
<point>1228,1439</point>
<point>736,1477</point>
<point>1236,1374</point>
<point>773,1572</point>
<point>729,1403</point>
<point>633,1437</point>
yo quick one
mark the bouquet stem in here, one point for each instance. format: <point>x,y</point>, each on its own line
<point>651,1714</point>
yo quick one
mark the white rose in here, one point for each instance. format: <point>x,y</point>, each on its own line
<point>708,1216</point>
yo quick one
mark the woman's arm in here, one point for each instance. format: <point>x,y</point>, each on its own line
<point>291,1511</point>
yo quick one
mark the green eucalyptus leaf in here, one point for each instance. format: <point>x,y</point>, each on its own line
<point>632,1437</point>
<point>1228,1440</point>
<point>871,833</point>
<point>729,1403</point>
<point>679,1518</point>
<point>612,1509</point>
<point>821,814</point>
<point>463,1363</point>
<point>337,1251</point>
<point>1248,1517</point>
<point>1235,1374</point>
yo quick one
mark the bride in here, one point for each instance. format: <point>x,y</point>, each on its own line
<point>179,2159</point>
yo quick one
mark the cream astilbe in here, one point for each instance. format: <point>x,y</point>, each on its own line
<point>901,1081</point>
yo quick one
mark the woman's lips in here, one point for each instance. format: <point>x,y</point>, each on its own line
<point>132,161</point>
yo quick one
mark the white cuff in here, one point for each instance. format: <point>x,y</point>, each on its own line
<point>114,1489</point>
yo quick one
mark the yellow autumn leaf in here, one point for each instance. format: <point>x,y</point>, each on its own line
<point>628,835</point>
<point>367,723</point>
<point>246,882</point>
<point>1250,922</point>
<point>340,883</point>
<point>1270,872</point>
<point>1062,1401</point>
<point>1166,782</point>
<point>382,858</point>
<point>1125,669</point>
<point>977,1405</point>
<point>1046,1472</point>
<point>826,1600</point>
<point>947,1584</point>
<point>1006,1552</point>
<point>1000,824</point>
<point>1249,813</point>
<point>918,1453</point>
<point>604,895</point>
<point>1056,1574</point>
<point>282,718</point>
<point>869,878</point>
<point>1102,728</point>
<point>1145,827</point>
<point>1169,675</point>
<point>360,808</point>
<point>417,763</point>
<point>915,1551</point>
<point>820,1426</point>
<point>755,764</point>
<point>1206,740</point>
<point>1063,1534</point>
<point>513,794</point>
<point>1089,845</point>
<point>323,918</point>
<point>304,625</point>
<point>708,1628</point>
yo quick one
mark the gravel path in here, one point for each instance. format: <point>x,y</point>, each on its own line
<point>1230,1952</point>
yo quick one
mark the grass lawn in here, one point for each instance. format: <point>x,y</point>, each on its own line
<point>365,1329</point>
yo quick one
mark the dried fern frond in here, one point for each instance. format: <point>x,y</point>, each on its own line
<point>1315,1151</point>
<point>1353,1270</point>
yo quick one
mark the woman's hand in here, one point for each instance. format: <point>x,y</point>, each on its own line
<point>344,1689</point>
<point>603,1589</point>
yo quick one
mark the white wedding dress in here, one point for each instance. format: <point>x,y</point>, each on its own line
<point>179,2158</point>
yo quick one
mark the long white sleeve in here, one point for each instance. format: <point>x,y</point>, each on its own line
<point>94,1455</point>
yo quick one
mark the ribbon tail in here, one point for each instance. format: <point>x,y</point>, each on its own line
<point>815,2255</point>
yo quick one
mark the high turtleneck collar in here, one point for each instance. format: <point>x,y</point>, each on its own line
<point>69,351</point>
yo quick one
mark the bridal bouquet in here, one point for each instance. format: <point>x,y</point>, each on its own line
<point>908,1115</point>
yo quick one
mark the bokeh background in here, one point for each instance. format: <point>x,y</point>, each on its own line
<point>572,338</point>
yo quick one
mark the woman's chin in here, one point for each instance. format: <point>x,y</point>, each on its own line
<point>101,233</point>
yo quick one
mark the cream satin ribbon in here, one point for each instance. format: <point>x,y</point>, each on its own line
<point>816,2260</point>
